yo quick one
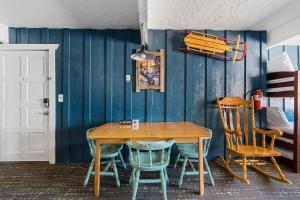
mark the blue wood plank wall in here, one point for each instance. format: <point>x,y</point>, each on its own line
<point>287,104</point>
<point>90,72</point>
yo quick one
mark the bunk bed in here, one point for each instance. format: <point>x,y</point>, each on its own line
<point>281,85</point>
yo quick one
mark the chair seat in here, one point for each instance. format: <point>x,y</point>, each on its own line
<point>109,150</point>
<point>145,160</point>
<point>249,150</point>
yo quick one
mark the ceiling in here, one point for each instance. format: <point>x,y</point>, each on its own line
<point>211,14</point>
<point>96,14</point>
<point>162,14</point>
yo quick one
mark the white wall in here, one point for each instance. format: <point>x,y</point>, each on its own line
<point>3,33</point>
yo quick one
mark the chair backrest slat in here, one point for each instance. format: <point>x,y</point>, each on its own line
<point>231,120</point>
<point>150,158</point>
<point>169,154</point>
<point>233,138</point>
<point>238,121</point>
<point>253,121</point>
<point>238,125</point>
<point>263,140</point>
<point>138,157</point>
<point>246,130</point>
<point>225,124</point>
<point>225,119</point>
<point>130,156</point>
<point>162,156</point>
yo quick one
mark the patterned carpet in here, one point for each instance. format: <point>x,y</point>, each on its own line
<point>39,180</point>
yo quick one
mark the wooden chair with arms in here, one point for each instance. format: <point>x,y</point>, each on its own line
<point>240,143</point>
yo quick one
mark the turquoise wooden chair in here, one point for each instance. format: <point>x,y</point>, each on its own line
<point>150,157</point>
<point>109,153</point>
<point>189,152</point>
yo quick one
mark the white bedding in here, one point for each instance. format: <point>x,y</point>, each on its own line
<point>279,63</point>
<point>276,119</point>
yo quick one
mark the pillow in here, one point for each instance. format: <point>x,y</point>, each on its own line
<point>280,63</point>
<point>276,118</point>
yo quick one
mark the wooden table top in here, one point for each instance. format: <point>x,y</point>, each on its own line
<point>151,130</point>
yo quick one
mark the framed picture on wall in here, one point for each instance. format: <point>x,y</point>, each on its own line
<point>150,75</point>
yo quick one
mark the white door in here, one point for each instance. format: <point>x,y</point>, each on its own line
<point>23,114</point>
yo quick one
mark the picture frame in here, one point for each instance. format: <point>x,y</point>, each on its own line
<point>150,75</point>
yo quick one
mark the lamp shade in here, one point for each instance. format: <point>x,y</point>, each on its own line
<point>143,54</point>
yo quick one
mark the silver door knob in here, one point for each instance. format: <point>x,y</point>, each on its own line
<point>46,113</point>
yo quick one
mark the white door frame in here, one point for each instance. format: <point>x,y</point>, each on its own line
<point>52,94</point>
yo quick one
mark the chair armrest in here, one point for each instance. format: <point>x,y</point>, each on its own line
<point>268,132</point>
<point>234,132</point>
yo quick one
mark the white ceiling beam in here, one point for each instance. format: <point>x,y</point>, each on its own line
<point>283,33</point>
<point>143,20</point>
<point>143,11</point>
<point>283,25</point>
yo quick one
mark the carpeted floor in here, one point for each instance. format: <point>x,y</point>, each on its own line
<point>39,180</point>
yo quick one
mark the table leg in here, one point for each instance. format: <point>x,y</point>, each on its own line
<point>97,168</point>
<point>201,168</point>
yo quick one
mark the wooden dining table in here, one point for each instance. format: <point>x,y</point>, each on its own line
<point>182,132</point>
